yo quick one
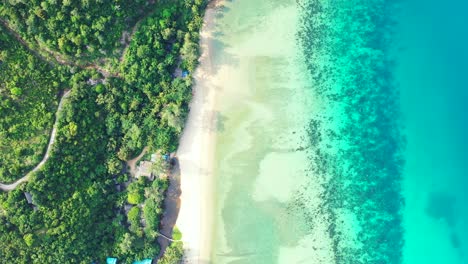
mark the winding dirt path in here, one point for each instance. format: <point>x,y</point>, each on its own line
<point>12,186</point>
<point>60,60</point>
<point>132,163</point>
<point>23,42</point>
<point>57,56</point>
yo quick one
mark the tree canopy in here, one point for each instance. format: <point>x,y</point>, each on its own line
<point>75,28</point>
<point>29,93</point>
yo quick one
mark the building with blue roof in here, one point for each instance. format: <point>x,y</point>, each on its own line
<point>145,261</point>
<point>111,261</point>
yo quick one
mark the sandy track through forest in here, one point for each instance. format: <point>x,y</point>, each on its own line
<point>12,186</point>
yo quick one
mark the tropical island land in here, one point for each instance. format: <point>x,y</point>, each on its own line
<point>94,97</point>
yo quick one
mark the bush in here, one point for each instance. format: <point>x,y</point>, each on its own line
<point>173,254</point>
<point>136,192</point>
<point>134,215</point>
<point>135,198</point>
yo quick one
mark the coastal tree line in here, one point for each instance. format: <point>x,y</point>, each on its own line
<point>77,213</point>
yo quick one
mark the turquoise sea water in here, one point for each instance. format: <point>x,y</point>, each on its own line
<point>341,135</point>
<point>357,140</point>
<point>433,77</point>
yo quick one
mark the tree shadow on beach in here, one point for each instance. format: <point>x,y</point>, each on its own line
<point>171,206</point>
<point>219,55</point>
<point>221,11</point>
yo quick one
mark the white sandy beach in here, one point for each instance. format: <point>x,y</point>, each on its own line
<point>195,154</point>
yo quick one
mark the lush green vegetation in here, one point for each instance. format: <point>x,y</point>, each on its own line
<point>148,104</point>
<point>139,239</point>
<point>173,254</point>
<point>78,214</point>
<point>75,28</point>
<point>29,90</point>
<point>75,196</point>
<point>136,193</point>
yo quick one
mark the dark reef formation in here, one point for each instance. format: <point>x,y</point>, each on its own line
<point>356,137</point>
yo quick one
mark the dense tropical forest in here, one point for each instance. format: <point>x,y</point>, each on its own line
<point>122,62</point>
<point>77,29</point>
<point>28,99</point>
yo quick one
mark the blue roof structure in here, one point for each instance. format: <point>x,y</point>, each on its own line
<point>111,261</point>
<point>185,74</point>
<point>145,261</point>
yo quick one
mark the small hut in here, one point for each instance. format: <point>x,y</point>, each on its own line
<point>145,169</point>
<point>29,198</point>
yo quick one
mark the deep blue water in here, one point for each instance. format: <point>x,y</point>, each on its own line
<point>432,74</point>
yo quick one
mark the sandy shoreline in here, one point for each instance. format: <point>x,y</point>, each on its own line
<point>196,155</point>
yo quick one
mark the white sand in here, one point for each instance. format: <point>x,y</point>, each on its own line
<point>196,155</point>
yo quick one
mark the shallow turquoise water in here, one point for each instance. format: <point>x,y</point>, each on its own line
<point>342,132</point>
<point>268,199</point>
